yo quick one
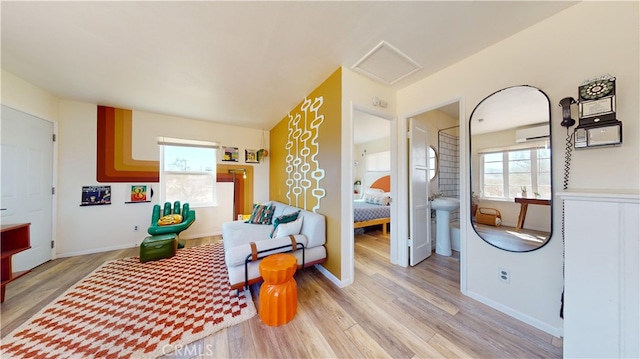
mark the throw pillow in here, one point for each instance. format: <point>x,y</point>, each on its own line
<point>170,219</point>
<point>285,229</point>
<point>381,199</point>
<point>285,218</point>
<point>261,214</point>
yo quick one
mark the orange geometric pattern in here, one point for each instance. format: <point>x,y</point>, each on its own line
<point>130,309</point>
<point>115,161</point>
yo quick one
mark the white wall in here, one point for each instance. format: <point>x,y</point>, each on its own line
<point>556,56</point>
<point>82,229</point>
<point>23,96</point>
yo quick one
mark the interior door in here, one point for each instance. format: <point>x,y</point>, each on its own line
<point>27,180</point>
<point>419,217</point>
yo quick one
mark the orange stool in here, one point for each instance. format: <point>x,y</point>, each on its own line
<point>279,292</point>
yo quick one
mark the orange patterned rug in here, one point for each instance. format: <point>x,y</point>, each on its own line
<point>130,309</point>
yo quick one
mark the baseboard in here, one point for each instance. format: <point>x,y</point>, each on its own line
<point>200,235</point>
<point>331,277</point>
<point>97,250</point>
<point>556,332</point>
<point>123,246</point>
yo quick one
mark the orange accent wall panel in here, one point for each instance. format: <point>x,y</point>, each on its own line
<point>115,162</point>
<point>306,157</point>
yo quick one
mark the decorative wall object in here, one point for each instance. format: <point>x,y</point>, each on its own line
<point>115,161</point>
<point>251,156</point>
<point>139,194</point>
<point>96,195</point>
<point>230,154</point>
<point>305,161</point>
<point>303,170</point>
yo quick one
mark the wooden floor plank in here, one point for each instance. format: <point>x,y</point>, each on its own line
<point>367,345</point>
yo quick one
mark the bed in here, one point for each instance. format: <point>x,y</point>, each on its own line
<point>366,213</point>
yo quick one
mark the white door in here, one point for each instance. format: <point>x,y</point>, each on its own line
<point>27,180</point>
<point>419,217</point>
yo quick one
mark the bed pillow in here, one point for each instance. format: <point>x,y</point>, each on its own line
<point>261,214</point>
<point>382,199</point>
<point>291,228</point>
<point>285,218</point>
<point>373,191</point>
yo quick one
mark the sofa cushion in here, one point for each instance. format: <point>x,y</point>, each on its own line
<point>237,233</point>
<point>286,229</point>
<point>285,218</point>
<point>261,214</point>
<point>236,256</point>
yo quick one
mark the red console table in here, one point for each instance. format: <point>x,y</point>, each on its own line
<point>14,239</point>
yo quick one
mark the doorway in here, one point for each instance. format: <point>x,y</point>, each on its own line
<point>372,175</point>
<point>439,121</point>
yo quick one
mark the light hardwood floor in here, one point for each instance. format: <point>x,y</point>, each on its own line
<point>389,311</point>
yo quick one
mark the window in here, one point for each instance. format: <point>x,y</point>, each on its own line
<point>379,162</point>
<point>188,171</point>
<point>433,163</point>
<point>505,173</point>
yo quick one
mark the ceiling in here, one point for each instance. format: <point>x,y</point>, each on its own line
<point>240,63</point>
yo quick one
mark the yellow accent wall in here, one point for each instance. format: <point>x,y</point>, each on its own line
<point>302,177</point>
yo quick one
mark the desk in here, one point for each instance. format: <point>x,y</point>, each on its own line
<point>524,203</point>
<point>14,239</point>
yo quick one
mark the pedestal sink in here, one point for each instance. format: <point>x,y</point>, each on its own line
<point>443,207</point>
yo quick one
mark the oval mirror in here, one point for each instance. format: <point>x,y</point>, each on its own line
<point>510,149</point>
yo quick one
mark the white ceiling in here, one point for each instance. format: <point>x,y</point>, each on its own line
<point>242,63</point>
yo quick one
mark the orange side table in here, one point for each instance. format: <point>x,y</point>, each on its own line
<point>279,292</point>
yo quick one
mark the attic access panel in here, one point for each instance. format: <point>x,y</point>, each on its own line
<point>386,64</point>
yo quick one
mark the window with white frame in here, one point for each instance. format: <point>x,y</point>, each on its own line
<point>188,171</point>
<point>379,162</point>
<point>504,173</point>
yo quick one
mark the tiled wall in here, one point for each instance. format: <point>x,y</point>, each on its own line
<point>449,174</point>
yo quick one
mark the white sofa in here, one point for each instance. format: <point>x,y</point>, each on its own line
<point>239,237</point>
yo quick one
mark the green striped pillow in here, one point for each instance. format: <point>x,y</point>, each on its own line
<point>261,214</point>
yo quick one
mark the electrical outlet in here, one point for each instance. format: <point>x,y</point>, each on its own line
<point>135,228</point>
<point>504,275</point>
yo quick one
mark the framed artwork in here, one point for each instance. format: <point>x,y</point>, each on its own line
<point>95,195</point>
<point>251,156</point>
<point>138,193</point>
<point>230,154</point>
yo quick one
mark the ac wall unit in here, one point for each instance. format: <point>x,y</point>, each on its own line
<point>536,133</point>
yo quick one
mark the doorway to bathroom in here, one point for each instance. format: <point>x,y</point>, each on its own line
<point>442,124</point>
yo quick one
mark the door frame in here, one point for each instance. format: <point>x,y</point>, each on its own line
<point>348,269</point>
<point>402,246</point>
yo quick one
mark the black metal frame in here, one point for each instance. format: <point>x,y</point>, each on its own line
<point>250,259</point>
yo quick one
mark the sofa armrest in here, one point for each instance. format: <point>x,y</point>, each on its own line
<point>237,255</point>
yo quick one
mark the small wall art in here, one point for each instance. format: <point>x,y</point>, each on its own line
<point>139,193</point>
<point>251,156</point>
<point>96,195</point>
<point>230,154</point>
